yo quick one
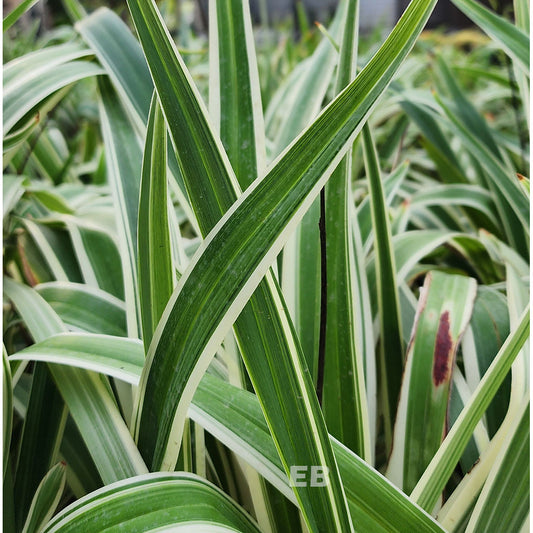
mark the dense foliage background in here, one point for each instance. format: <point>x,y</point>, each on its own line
<point>230,255</point>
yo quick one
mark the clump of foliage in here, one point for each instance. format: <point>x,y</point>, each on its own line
<point>288,302</point>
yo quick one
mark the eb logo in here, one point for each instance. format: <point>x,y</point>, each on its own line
<point>312,476</point>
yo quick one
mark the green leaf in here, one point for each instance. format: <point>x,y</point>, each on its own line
<point>39,318</point>
<point>391,185</point>
<point>459,397</point>
<point>82,474</point>
<point>27,92</point>
<point>91,352</point>
<point>46,499</point>
<point>391,351</point>
<point>56,249</point>
<point>156,278</point>
<point>8,504</point>
<point>364,335</point>
<point>309,151</point>
<point>509,37</point>
<point>121,56</point>
<point>235,98</point>
<point>409,248</point>
<point>94,409</point>
<point>490,327</point>
<point>16,72</point>
<point>7,407</point>
<point>504,500</point>
<point>234,417</point>
<point>50,157</point>
<point>123,161</point>
<point>443,313</point>
<point>51,200</point>
<point>236,111</point>
<point>155,502</point>
<point>478,254</point>
<point>513,206</point>
<point>456,195</point>
<point>435,138</point>
<point>12,190</point>
<point>457,511</point>
<point>13,140</point>
<point>87,395</point>
<point>308,147</point>
<point>42,434</point>
<point>298,103</point>
<point>293,108</point>
<point>74,9</point>
<point>443,463</point>
<point>348,421</point>
<point>42,431</point>
<point>16,13</point>
<point>85,308</point>
<point>262,318</point>
<point>97,255</point>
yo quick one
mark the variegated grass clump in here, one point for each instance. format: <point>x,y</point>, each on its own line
<point>293,308</point>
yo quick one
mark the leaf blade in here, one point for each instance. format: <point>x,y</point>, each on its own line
<point>156,279</point>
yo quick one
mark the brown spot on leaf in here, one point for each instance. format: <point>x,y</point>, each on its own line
<point>443,351</point>
<point>26,268</point>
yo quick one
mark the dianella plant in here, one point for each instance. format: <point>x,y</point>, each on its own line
<point>253,285</point>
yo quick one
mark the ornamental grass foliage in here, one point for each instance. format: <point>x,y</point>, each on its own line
<point>259,284</point>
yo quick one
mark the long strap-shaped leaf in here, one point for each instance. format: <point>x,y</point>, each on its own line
<point>123,160</point>
<point>267,342</point>
<point>234,417</point>
<point>509,198</point>
<point>234,96</point>
<point>121,56</point>
<point>42,431</point>
<point>86,394</point>
<point>46,499</point>
<point>443,313</point>
<point>391,353</point>
<point>343,369</point>
<point>16,13</point>
<point>504,501</point>
<point>441,467</point>
<point>98,257</point>
<point>156,279</point>
<point>509,37</point>
<point>18,100</point>
<point>7,405</point>
<point>299,100</point>
<point>236,112</point>
<point>295,106</point>
<point>155,399</point>
<point>16,73</point>
<point>154,502</point>
<point>226,271</point>
<point>85,308</point>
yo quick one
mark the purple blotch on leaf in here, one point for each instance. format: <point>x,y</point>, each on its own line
<point>443,351</point>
